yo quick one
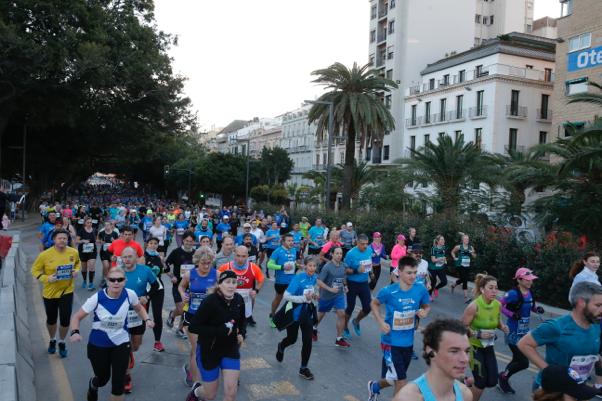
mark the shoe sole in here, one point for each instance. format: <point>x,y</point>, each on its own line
<point>305,377</point>
<point>370,393</point>
<point>342,347</point>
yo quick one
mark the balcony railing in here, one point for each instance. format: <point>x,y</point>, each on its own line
<point>544,116</point>
<point>413,122</point>
<point>456,115</point>
<point>477,112</point>
<point>513,111</point>
<point>319,167</point>
<point>382,36</point>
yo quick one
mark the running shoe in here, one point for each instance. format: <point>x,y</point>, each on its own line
<point>128,384</point>
<point>180,333</point>
<point>251,322</point>
<point>192,396</point>
<point>306,374</point>
<point>504,384</point>
<point>372,395</point>
<point>84,284</point>
<point>346,334</point>
<point>356,327</point>
<point>436,293</point>
<point>158,346</point>
<point>272,324</point>
<point>91,287</point>
<point>170,319</point>
<point>342,343</point>
<point>62,350</point>
<point>187,376</point>
<point>279,353</point>
<point>52,347</point>
<point>92,392</point>
<point>314,334</point>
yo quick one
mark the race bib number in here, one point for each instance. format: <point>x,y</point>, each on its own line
<point>87,248</point>
<point>488,342</point>
<point>403,320</point>
<point>80,221</point>
<point>439,263</point>
<point>180,231</point>
<point>195,300</point>
<point>186,268</point>
<point>465,262</point>
<point>583,365</point>
<point>309,290</point>
<point>119,261</point>
<point>337,283</point>
<point>245,293</point>
<point>367,264</point>
<point>523,326</point>
<point>252,258</point>
<point>289,267</point>
<point>105,246</point>
<point>63,272</point>
<point>134,320</point>
<point>94,221</point>
<point>111,323</point>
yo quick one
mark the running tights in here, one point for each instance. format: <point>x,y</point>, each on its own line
<point>156,302</point>
<point>292,332</point>
<point>442,279</point>
<point>463,277</point>
<point>109,363</point>
<point>519,361</point>
<point>376,273</point>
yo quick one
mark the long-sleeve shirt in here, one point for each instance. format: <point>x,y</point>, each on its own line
<point>63,264</point>
<point>398,252</point>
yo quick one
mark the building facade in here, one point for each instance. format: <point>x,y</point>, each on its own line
<point>297,139</point>
<point>578,61</point>
<point>497,95</point>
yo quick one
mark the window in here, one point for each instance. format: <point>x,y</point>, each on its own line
<point>478,137</point>
<point>479,70</point>
<point>529,66</point>
<point>491,20</point>
<point>368,154</point>
<point>529,28</point>
<point>390,53</point>
<point>441,134</point>
<point>427,138</point>
<point>457,135</point>
<point>477,41</point>
<point>543,137</point>
<point>318,159</point>
<point>413,142</point>
<point>427,112</point>
<point>442,106</point>
<point>389,74</point>
<point>462,76</point>
<point>512,138</point>
<point>576,86</point>
<point>566,7</point>
<point>459,105</point>
<point>485,20</point>
<point>477,18</point>
<point>373,36</point>
<point>342,158</point>
<point>547,74</point>
<point>371,59</point>
<point>514,103</point>
<point>388,101</point>
<point>413,115</point>
<point>480,95</point>
<point>579,42</point>
<point>543,112</point>
<point>391,27</point>
<point>431,83</point>
<point>386,152</point>
<point>373,12</point>
<point>446,79</point>
<point>391,4</point>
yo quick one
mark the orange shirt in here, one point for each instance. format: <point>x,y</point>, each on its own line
<point>247,277</point>
<point>119,245</point>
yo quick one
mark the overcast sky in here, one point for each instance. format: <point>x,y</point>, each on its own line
<point>253,58</point>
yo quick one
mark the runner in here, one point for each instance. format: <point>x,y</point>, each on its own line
<point>446,352</point>
<point>304,226</point>
<point>301,294</point>
<point>437,266</point>
<point>109,343</point>
<point>517,305</point>
<point>272,241</point>
<point>246,228</point>
<point>178,262</point>
<point>56,268</point>
<point>378,252</point>
<point>585,269</point>
<point>463,255</point>
<point>153,260</point>
<point>327,248</point>
<point>348,237</point>
<point>399,251</point>
<point>221,328</point>
<point>332,281</point>
<point>106,237</point>
<point>422,273</point>
<point>158,231</point>
<point>180,226</point>
<point>359,267</point>
<point>483,316</point>
<point>86,245</point>
<point>222,229</point>
<point>404,301</point>
<point>316,237</point>
<point>282,261</point>
<point>412,239</point>
<point>249,279</point>
<point>126,241</point>
<point>169,234</point>
<point>298,242</point>
<point>146,223</point>
<point>558,382</point>
<point>252,249</point>
<point>203,230</point>
<point>193,288</point>
<point>226,253</point>
<point>45,229</point>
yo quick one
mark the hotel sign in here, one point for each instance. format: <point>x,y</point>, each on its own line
<point>583,59</point>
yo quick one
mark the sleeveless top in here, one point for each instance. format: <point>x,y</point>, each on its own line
<point>428,395</point>
<point>198,287</point>
<point>245,279</point>
<point>110,319</point>
<point>464,256</point>
<point>486,318</point>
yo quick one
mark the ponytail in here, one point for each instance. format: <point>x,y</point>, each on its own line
<point>578,266</point>
<point>436,240</point>
<point>481,281</point>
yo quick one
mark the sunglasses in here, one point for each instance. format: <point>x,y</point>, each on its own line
<point>116,279</point>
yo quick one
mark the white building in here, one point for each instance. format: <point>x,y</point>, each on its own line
<point>406,35</point>
<point>498,95</point>
<point>298,140</point>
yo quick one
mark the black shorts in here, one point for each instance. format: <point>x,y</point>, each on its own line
<point>53,306</point>
<point>162,248</point>
<point>484,367</point>
<point>187,318</point>
<point>269,252</point>
<point>177,298</point>
<point>105,256</point>
<point>400,358</point>
<point>138,330</point>
<point>280,288</point>
<point>86,256</point>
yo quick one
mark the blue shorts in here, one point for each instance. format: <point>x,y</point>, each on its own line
<point>338,303</point>
<point>401,358</point>
<point>212,375</point>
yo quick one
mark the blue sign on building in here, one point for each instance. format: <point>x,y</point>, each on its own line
<point>586,58</point>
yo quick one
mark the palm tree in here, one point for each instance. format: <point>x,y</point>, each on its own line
<point>361,175</point>
<point>359,112</point>
<point>588,97</point>
<point>319,179</point>
<point>450,166</point>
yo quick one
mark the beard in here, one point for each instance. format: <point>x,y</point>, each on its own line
<point>593,319</point>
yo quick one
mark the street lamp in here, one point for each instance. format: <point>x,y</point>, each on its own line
<point>330,133</point>
<point>248,141</point>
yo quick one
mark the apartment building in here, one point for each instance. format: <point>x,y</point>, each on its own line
<point>578,61</point>
<point>297,139</point>
<point>406,35</point>
<point>497,95</point>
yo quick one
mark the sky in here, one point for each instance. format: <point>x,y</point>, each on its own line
<point>254,58</point>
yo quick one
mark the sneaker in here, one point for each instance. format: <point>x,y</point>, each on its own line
<point>504,384</point>
<point>84,285</point>
<point>251,322</point>
<point>132,361</point>
<point>279,353</point>
<point>187,375</point>
<point>272,324</point>
<point>356,327</point>
<point>342,343</point>
<point>306,374</point>
<point>91,287</point>
<point>192,396</point>
<point>62,350</point>
<point>346,334</point>
<point>372,396</point>
<point>158,346</point>
<point>180,333</point>
<point>436,293</point>
<point>453,287</point>
<point>314,334</point>
<point>170,319</point>
<point>52,347</point>
<point>414,356</point>
<point>92,392</point>
<point>467,301</point>
<point>128,384</point>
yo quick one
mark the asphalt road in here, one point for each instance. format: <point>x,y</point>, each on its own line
<point>339,374</point>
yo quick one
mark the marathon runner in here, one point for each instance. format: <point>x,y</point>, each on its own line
<point>463,255</point>
<point>585,269</point>
<point>348,237</point>
<point>398,251</point>
<point>180,227</point>
<point>226,253</point>
<point>327,248</point>
<point>316,236</point>
<point>378,252</point>
<point>45,229</point>
<point>359,268</point>
<point>153,259</point>
<point>158,231</point>
<point>126,241</point>
<point>105,238</point>
<point>222,230</point>
<point>283,262</point>
<point>86,245</point>
<point>437,266</point>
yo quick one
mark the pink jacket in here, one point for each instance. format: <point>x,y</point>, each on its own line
<point>398,252</point>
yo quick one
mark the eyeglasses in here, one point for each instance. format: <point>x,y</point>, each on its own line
<point>116,279</point>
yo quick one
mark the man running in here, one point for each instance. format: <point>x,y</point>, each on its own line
<point>316,237</point>
<point>226,254</point>
<point>45,229</point>
<point>348,237</point>
<point>282,261</point>
<point>359,267</point>
<point>127,240</point>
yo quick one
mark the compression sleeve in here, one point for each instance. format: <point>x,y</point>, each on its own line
<point>273,265</point>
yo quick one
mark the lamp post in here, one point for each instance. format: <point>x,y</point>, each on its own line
<point>248,141</point>
<point>330,134</point>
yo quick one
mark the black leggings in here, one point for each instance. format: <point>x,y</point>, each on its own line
<point>376,273</point>
<point>109,363</point>
<point>56,307</point>
<point>156,302</point>
<point>519,361</point>
<point>463,277</point>
<point>292,333</point>
<point>484,367</point>
<point>442,279</point>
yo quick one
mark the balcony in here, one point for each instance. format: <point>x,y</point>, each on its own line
<point>319,167</point>
<point>382,37</point>
<point>413,122</point>
<point>456,115</point>
<point>477,112</point>
<point>544,116</point>
<point>513,111</point>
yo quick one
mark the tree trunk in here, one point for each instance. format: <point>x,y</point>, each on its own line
<point>348,169</point>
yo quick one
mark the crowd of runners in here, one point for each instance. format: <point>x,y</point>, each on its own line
<point>127,250</point>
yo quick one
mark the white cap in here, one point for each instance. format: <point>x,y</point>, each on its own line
<point>349,224</point>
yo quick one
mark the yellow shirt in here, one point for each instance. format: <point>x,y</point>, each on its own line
<point>64,265</point>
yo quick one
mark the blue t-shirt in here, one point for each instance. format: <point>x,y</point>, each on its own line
<point>45,229</point>
<point>139,278</point>
<point>221,229</point>
<point>168,227</point>
<point>316,234</point>
<point>284,256</point>
<point>401,309</point>
<point>356,258</point>
<point>147,223</point>
<point>297,238</point>
<point>274,242</point>
<point>377,255</point>
<point>181,226</point>
<point>203,233</point>
<point>301,283</point>
<point>240,238</point>
<point>568,344</point>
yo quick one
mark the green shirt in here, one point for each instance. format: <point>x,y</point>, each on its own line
<point>486,318</point>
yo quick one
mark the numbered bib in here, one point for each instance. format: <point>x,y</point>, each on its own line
<point>309,291</point>
<point>403,320</point>
<point>245,293</point>
<point>489,341</point>
<point>186,268</point>
<point>337,283</point>
<point>523,326</point>
<point>111,323</point>
<point>119,261</point>
<point>87,248</point>
<point>252,258</point>
<point>63,272</point>
<point>80,221</point>
<point>180,231</point>
<point>105,246</point>
<point>465,262</point>
<point>289,267</point>
<point>367,264</point>
<point>134,320</point>
<point>196,298</point>
<point>94,221</point>
<point>583,365</point>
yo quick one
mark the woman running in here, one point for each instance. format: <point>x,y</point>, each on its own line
<point>378,252</point>
<point>399,251</point>
<point>153,259</point>
<point>437,266</point>
<point>463,255</point>
<point>194,287</point>
<point>105,238</point>
<point>180,226</point>
<point>482,317</point>
<point>109,342</point>
<point>159,232</point>
<point>86,245</point>
<point>221,329</point>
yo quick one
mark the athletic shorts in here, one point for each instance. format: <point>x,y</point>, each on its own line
<point>161,248</point>
<point>86,256</point>
<point>187,318</point>
<point>213,374</point>
<point>484,367</point>
<point>269,252</point>
<point>105,256</point>
<point>59,307</point>
<point>361,290</point>
<point>174,291</point>
<point>138,330</point>
<point>336,303</point>
<point>280,288</point>
<point>313,251</point>
<point>401,358</point>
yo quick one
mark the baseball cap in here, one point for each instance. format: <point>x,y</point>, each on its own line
<point>401,237</point>
<point>246,225</point>
<point>525,274</point>
<point>349,224</point>
<point>283,224</point>
<point>376,234</point>
<point>304,218</point>
<point>226,217</point>
<point>563,379</point>
<point>226,275</point>
<point>416,248</point>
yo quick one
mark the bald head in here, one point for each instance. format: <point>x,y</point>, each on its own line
<point>128,255</point>
<point>241,254</point>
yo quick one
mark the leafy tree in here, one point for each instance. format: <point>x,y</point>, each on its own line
<point>359,113</point>
<point>387,192</point>
<point>275,165</point>
<point>362,174</point>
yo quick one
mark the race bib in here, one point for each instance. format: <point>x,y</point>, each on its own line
<point>289,267</point>
<point>337,283</point>
<point>583,365</point>
<point>119,261</point>
<point>367,265</point>
<point>80,221</point>
<point>134,320</point>
<point>63,272</point>
<point>245,293</point>
<point>186,268</point>
<point>252,258</point>
<point>180,231</point>
<point>403,320</point>
<point>105,246</point>
<point>94,221</point>
<point>87,248</point>
<point>195,300</point>
<point>111,323</point>
<point>439,263</point>
<point>523,326</point>
<point>465,262</point>
<point>488,341</point>
<point>309,290</point>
